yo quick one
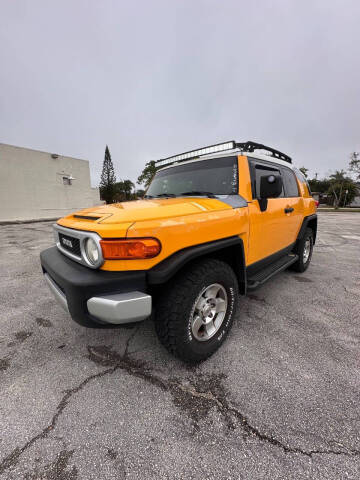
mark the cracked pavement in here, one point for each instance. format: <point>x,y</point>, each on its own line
<point>279,400</point>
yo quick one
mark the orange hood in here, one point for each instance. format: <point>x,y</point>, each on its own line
<point>124,214</point>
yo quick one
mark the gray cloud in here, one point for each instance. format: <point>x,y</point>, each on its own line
<point>154,78</point>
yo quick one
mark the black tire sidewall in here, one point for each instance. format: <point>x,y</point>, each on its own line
<point>308,235</point>
<point>193,348</point>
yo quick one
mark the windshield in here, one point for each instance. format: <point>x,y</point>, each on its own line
<point>218,176</point>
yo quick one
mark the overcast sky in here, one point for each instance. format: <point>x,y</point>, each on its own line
<point>155,78</point>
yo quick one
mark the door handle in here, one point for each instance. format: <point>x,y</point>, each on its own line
<point>288,209</point>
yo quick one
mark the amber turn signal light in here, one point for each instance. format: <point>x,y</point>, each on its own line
<point>136,248</point>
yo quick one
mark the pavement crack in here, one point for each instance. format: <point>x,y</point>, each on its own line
<point>198,401</point>
<point>226,410</point>
<point>254,431</point>
<point>130,339</point>
<point>194,398</point>
<point>13,458</point>
<point>58,469</point>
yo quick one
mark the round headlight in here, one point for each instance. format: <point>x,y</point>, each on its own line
<point>92,251</point>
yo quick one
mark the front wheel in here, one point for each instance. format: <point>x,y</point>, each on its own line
<point>195,313</point>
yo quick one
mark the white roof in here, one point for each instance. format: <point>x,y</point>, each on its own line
<point>230,153</point>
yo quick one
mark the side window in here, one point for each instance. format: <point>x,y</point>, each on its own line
<point>258,170</point>
<point>290,183</point>
<point>302,179</point>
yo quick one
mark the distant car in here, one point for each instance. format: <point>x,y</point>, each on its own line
<point>214,223</point>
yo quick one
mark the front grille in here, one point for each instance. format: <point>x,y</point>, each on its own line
<point>70,244</point>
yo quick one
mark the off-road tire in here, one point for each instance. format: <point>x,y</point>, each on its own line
<point>300,265</point>
<point>173,320</point>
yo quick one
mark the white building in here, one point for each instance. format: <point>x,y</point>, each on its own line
<point>39,185</point>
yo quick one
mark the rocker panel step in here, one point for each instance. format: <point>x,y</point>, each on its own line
<point>263,275</point>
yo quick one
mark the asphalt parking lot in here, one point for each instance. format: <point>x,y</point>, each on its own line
<point>279,400</point>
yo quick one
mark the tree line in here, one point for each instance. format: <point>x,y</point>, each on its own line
<point>339,189</point>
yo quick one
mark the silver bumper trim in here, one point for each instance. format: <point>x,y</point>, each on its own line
<point>117,308</point>
<point>58,294</point>
<point>121,308</point>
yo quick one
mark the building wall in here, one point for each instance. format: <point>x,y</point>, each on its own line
<point>32,187</point>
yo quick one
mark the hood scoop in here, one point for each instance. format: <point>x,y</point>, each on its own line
<point>86,217</point>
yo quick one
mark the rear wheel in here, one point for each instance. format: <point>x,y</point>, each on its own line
<point>196,312</point>
<point>304,250</point>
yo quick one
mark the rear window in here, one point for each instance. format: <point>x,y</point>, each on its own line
<point>302,179</point>
<point>290,183</point>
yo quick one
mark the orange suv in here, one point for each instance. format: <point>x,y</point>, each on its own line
<point>215,223</point>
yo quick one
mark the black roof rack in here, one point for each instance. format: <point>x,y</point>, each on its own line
<point>218,148</point>
<point>251,146</point>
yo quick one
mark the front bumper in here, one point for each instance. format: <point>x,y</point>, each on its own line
<point>95,297</point>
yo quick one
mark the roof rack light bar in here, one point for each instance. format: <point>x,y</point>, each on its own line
<point>219,147</point>
<point>252,146</point>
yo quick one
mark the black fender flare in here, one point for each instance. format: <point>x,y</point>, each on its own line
<point>233,247</point>
<point>310,221</point>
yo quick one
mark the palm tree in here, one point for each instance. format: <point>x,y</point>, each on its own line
<point>341,184</point>
<point>127,188</point>
<point>339,176</point>
<point>304,171</point>
<point>124,190</point>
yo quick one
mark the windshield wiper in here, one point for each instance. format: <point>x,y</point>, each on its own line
<point>198,192</point>
<point>183,194</point>
<point>165,195</point>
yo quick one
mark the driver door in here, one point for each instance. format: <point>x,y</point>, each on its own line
<point>269,231</point>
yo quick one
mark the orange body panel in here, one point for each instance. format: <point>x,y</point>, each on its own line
<point>182,232</point>
<point>244,178</point>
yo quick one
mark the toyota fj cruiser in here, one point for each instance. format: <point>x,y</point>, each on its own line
<point>214,223</point>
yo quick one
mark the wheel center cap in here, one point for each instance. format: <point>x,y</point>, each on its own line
<point>206,311</point>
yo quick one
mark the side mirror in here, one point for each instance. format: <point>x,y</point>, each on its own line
<point>270,186</point>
